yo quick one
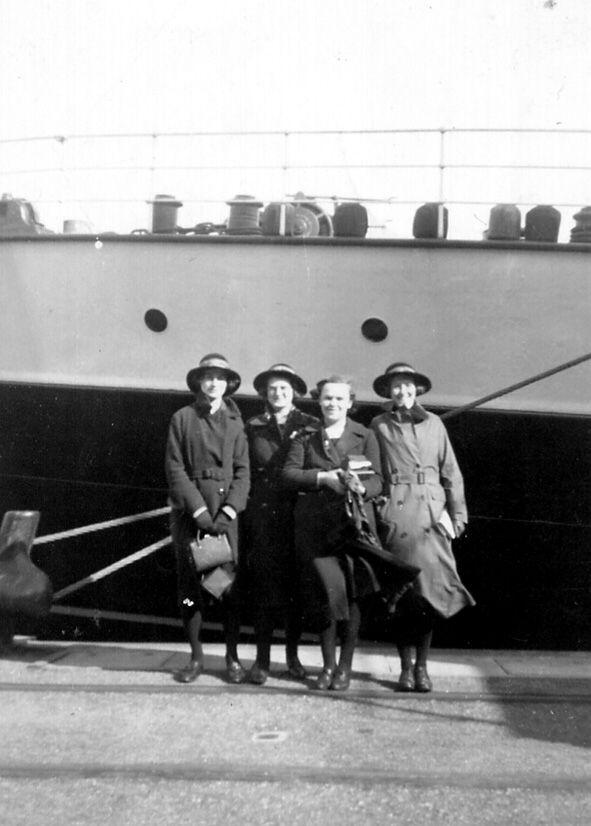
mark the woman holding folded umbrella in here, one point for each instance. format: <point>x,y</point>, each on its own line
<point>208,478</point>
<point>425,509</point>
<point>270,562</point>
<point>335,583</point>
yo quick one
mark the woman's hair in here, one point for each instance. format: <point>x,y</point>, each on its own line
<point>336,378</point>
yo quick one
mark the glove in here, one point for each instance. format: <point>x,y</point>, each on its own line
<point>204,522</point>
<point>222,522</point>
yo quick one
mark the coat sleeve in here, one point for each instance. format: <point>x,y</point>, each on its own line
<point>240,484</point>
<point>383,458</point>
<point>375,482</point>
<point>452,479</point>
<point>182,492</point>
<point>294,475</point>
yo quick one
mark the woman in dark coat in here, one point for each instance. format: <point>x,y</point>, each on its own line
<point>425,510</point>
<point>334,581</point>
<point>208,478</point>
<point>270,561</point>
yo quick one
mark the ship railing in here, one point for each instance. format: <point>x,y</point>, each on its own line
<point>95,613</point>
<point>456,166</point>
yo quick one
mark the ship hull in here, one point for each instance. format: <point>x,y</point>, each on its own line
<point>87,389</point>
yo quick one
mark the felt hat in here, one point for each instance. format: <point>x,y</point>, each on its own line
<point>400,369</point>
<point>279,371</point>
<point>213,361</point>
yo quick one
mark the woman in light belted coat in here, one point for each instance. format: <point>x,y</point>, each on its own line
<point>207,469</point>
<point>424,511</point>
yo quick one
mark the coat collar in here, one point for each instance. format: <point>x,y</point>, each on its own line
<point>348,441</point>
<point>228,406</point>
<point>416,414</point>
<point>267,418</point>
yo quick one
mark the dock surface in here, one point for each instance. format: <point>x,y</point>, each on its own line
<point>99,733</point>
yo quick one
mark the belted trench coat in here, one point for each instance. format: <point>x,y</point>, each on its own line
<point>206,465</point>
<point>425,496</point>
<point>268,520</point>
<point>330,582</point>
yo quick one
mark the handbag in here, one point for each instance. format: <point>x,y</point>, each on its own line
<point>210,550</point>
<point>359,538</point>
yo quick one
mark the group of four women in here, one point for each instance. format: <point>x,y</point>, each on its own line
<point>291,474</point>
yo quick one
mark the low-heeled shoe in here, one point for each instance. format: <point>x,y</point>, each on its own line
<point>422,680</point>
<point>235,672</point>
<point>258,675</point>
<point>324,679</point>
<point>406,681</point>
<point>190,673</point>
<point>296,670</point>
<point>341,680</point>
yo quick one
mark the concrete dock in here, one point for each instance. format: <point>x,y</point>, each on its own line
<point>101,734</point>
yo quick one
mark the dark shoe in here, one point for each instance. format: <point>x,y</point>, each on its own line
<point>324,679</point>
<point>258,675</point>
<point>422,681</point>
<point>235,673</point>
<point>341,679</point>
<point>406,680</point>
<point>190,673</point>
<point>295,669</point>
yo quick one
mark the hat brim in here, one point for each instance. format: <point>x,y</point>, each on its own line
<point>383,383</point>
<point>261,381</point>
<point>195,376</point>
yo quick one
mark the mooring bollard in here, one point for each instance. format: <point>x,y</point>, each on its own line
<point>24,589</point>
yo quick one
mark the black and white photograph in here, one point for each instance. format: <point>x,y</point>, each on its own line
<point>295,412</point>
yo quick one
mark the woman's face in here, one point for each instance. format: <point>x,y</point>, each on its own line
<point>213,384</point>
<point>403,392</point>
<point>335,402</point>
<point>279,394</point>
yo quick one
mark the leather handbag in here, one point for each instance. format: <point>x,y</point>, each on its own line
<point>358,537</point>
<point>209,551</point>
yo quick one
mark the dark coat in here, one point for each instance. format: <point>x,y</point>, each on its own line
<point>424,484</point>
<point>268,521</point>
<point>330,581</point>
<point>206,465</point>
<point>207,460</point>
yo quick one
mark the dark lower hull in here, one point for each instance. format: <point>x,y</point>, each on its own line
<point>82,456</point>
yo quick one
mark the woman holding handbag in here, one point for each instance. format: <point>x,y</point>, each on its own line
<point>424,510</point>
<point>334,582</point>
<point>270,563</point>
<point>207,470</point>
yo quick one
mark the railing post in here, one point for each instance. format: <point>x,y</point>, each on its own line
<point>440,224</point>
<point>285,162</point>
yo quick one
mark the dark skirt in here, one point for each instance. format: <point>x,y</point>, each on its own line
<point>268,561</point>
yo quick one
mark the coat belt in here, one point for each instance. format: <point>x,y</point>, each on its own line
<point>216,473</point>
<point>421,477</point>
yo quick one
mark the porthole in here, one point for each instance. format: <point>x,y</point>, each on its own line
<point>156,321</point>
<point>374,329</point>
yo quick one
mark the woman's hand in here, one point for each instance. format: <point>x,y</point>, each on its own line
<point>354,483</point>
<point>332,479</point>
<point>459,527</point>
<point>204,521</point>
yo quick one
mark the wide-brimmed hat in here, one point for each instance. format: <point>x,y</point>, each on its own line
<point>209,362</point>
<point>279,371</point>
<point>396,371</point>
